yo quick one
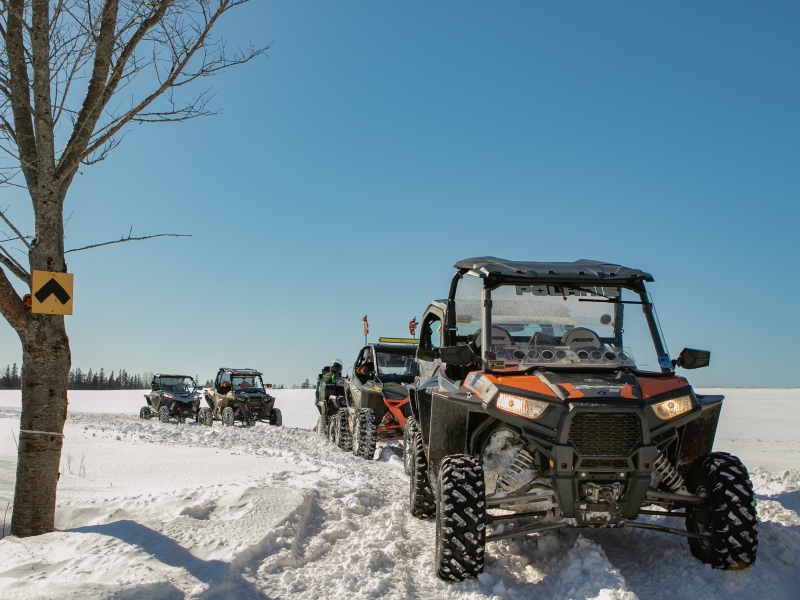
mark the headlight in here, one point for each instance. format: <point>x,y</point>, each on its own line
<point>524,407</point>
<point>669,409</point>
<point>169,396</point>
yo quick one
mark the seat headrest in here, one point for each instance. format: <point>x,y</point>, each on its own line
<point>581,336</point>
<point>500,337</point>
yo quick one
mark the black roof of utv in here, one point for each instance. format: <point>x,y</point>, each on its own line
<point>580,270</point>
<point>159,375</point>
<point>244,372</point>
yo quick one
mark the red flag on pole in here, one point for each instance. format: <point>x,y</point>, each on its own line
<point>412,325</point>
<point>366,325</point>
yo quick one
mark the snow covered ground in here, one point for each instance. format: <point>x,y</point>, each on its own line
<point>147,510</point>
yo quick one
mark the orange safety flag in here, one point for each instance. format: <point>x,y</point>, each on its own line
<point>412,325</point>
<point>366,325</point>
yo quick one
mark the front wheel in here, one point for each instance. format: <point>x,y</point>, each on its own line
<point>729,515</point>
<point>460,519</point>
<point>205,417</point>
<point>365,434</point>
<point>227,416</point>
<point>144,413</point>
<point>163,414</point>
<point>277,418</point>
<point>343,437</point>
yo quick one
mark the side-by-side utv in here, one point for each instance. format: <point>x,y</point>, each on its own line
<point>240,396</point>
<point>376,395</point>
<point>174,398</point>
<point>546,391</point>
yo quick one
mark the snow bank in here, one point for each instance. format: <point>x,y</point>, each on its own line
<point>169,511</point>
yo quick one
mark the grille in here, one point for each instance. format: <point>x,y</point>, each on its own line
<point>605,434</point>
<point>604,463</point>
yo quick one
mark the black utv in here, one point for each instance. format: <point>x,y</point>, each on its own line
<point>174,398</point>
<point>240,396</point>
<point>546,391</point>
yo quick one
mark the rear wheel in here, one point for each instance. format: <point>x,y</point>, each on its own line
<point>276,419</point>
<point>144,413</point>
<point>409,432</point>
<point>729,516</point>
<point>343,437</point>
<point>365,434</point>
<point>460,519</point>
<point>421,500</point>
<point>227,416</point>
<point>163,414</point>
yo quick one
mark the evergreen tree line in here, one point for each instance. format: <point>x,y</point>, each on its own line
<point>91,380</point>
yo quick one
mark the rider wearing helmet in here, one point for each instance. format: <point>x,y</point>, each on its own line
<point>336,369</point>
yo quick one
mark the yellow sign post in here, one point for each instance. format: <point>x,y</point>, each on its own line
<point>51,293</point>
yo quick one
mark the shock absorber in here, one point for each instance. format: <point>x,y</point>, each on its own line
<point>509,481</point>
<point>669,475</point>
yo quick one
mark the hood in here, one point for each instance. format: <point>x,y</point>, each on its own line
<point>618,385</point>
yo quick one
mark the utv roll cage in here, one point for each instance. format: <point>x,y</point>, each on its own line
<point>496,272</point>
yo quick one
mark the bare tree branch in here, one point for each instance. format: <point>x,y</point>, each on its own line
<point>14,229</point>
<point>10,263</point>
<point>129,239</point>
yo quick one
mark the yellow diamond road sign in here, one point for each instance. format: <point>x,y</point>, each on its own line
<point>51,293</point>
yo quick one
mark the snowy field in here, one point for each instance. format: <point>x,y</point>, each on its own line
<point>155,511</point>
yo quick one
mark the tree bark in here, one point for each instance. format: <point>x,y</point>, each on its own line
<point>46,361</point>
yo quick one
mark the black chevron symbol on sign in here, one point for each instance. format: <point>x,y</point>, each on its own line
<point>53,288</point>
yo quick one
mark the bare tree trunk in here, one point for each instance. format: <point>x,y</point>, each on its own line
<point>45,368</point>
<point>46,360</point>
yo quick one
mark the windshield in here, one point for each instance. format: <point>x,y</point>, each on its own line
<point>248,382</point>
<point>557,326</point>
<point>178,385</point>
<point>399,367</point>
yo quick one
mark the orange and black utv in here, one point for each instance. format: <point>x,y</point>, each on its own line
<point>547,399</point>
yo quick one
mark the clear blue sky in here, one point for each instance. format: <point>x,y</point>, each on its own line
<point>379,142</point>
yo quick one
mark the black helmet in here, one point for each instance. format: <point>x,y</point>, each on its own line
<point>336,365</point>
<point>326,369</point>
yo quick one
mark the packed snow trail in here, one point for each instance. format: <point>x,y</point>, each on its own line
<point>268,512</point>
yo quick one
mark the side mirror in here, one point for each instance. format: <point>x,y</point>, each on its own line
<point>457,355</point>
<point>690,358</point>
<point>427,354</point>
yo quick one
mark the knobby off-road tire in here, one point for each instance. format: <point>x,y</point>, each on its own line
<point>228,417</point>
<point>276,419</point>
<point>320,427</point>
<point>421,500</point>
<point>365,434</point>
<point>144,413</point>
<point>205,417</point>
<point>409,432</point>
<point>163,414</point>
<point>343,437</point>
<point>729,516</point>
<point>460,519</point>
